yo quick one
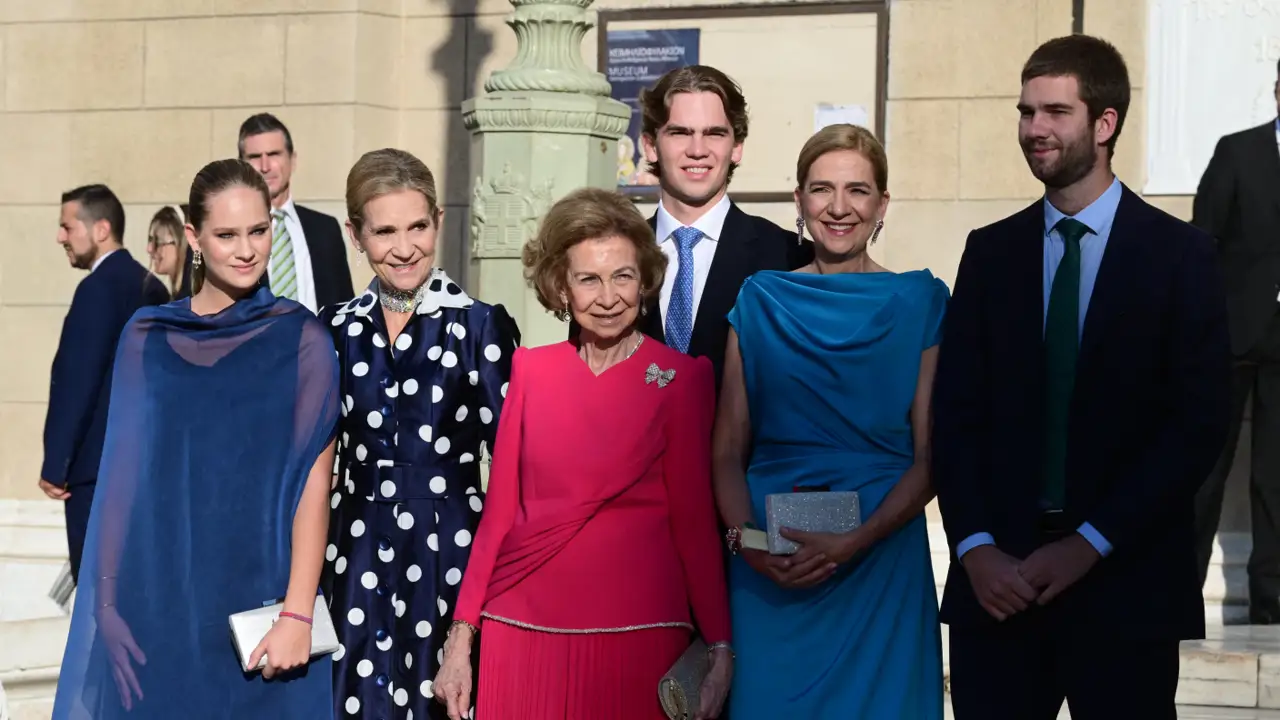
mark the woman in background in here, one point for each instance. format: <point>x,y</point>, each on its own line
<point>600,534</point>
<point>167,246</point>
<point>828,374</point>
<point>424,372</point>
<point>212,495</point>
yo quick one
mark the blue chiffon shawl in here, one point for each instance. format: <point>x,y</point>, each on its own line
<point>214,425</point>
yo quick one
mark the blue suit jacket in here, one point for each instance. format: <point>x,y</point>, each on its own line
<point>80,383</point>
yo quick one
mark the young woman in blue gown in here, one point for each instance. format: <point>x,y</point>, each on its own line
<point>827,382</point>
<point>212,493</point>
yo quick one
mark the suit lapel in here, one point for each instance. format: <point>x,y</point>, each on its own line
<point>1268,154</point>
<point>1120,264</point>
<point>1026,306</point>
<point>651,323</point>
<point>730,266</point>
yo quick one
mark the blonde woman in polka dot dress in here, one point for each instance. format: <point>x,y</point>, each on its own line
<point>424,372</point>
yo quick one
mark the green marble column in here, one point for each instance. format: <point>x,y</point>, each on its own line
<point>544,126</point>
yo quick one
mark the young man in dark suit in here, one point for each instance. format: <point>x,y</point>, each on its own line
<point>90,231</point>
<point>1238,203</point>
<point>308,257</point>
<point>1081,397</point>
<point>693,126</point>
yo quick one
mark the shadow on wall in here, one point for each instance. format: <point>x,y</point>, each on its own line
<point>471,49</point>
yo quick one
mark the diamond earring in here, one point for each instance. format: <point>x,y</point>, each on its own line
<point>799,230</point>
<point>197,259</point>
<point>876,233</point>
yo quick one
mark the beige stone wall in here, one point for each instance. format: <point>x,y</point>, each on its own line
<point>140,93</point>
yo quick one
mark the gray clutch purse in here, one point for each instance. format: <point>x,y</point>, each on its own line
<point>809,511</point>
<point>679,688</point>
<point>249,627</point>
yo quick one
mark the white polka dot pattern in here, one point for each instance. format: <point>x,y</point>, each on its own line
<point>441,385</point>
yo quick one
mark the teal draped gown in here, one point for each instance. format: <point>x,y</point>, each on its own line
<point>831,365</point>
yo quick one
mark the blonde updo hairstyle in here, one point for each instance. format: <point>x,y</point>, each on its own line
<point>583,215</point>
<point>835,138</point>
<point>382,172</point>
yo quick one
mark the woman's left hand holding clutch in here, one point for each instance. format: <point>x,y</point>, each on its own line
<point>287,645</point>
<point>715,688</point>
<point>839,548</point>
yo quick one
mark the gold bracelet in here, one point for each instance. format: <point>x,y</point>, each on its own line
<point>722,646</point>
<point>474,630</point>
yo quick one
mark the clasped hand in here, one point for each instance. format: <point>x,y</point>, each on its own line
<point>1006,586</point>
<point>818,558</point>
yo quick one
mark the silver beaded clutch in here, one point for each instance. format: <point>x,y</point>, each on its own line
<point>679,688</point>
<point>249,627</point>
<point>835,512</point>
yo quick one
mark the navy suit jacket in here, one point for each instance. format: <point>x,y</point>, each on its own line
<point>1148,416</point>
<point>80,383</point>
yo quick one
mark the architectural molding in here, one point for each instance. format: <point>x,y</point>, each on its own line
<point>545,115</point>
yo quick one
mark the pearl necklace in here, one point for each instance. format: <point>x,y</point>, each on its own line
<point>400,301</point>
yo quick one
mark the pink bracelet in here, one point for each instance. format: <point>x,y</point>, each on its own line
<point>296,616</point>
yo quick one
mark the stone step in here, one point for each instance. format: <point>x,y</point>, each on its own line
<point>1188,712</point>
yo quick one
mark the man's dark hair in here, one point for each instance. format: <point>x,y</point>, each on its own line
<point>97,202</point>
<point>655,102</point>
<point>1098,68</point>
<point>261,124</point>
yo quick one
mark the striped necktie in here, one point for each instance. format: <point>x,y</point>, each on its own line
<point>284,276</point>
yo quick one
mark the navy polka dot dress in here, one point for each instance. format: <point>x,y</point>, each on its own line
<point>408,498</point>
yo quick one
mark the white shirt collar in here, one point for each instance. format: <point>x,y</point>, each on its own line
<point>711,223</point>
<point>101,257</point>
<point>289,209</point>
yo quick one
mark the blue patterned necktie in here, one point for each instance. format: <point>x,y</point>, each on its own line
<point>679,327</point>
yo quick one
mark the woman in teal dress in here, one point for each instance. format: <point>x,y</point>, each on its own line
<point>827,381</point>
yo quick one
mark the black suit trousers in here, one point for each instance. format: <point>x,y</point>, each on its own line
<point>1256,375</point>
<point>1025,667</point>
<point>77,513</point>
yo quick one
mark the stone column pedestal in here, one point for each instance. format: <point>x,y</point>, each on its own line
<point>545,126</point>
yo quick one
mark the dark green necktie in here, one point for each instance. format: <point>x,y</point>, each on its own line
<point>1061,348</point>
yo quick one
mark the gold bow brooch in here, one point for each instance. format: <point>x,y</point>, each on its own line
<point>656,374</point>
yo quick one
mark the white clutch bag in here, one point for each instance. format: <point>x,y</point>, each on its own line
<point>834,512</point>
<point>249,627</point>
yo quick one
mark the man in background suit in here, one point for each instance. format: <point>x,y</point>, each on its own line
<point>693,126</point>
<point>90,231</point>
<point>1238,203</point>
<point>1081,397</point>
<point>308,257</point>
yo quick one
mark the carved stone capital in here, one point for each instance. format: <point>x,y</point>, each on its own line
<point>548,59</point>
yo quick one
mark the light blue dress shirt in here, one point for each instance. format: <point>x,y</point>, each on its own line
<point>1099,216</point>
